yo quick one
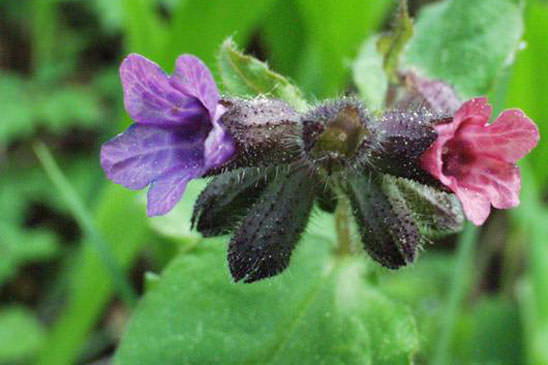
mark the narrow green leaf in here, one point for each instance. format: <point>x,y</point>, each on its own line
<point>391,45</point>
<point>320,308</point>
<point>245,75</point>
<point>86,222</point>
<point>124,226</point>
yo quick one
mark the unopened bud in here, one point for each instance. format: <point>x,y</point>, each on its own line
<point>266,132</point>
<point>333,134</point>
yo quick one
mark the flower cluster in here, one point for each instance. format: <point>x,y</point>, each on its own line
<point>270,164</point>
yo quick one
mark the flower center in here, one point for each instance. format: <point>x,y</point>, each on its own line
<point>457,157</point>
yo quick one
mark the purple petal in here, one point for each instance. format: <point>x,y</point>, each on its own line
<point>143,153</point>
<point>165,192</point>
<point>193,78</point>
<point>219,145</point>
<point>149,97</point>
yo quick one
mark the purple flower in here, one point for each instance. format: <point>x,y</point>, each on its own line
<point>177,135</point>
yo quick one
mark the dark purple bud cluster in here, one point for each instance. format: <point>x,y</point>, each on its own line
<point>285,161</point>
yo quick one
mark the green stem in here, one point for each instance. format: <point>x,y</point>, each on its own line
<point>459,285</point>
<point>86,222</point>
<point>342,226</point>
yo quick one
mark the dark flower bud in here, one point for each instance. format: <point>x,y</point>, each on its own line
<point>266,132</point>
<point>398,140</point>
<point>333,133</point>
<point>265,239</point>
<point>387,227</point>
<point>436,95</point>
<point>226,200</point>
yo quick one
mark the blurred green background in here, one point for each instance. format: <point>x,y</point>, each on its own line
<point>76,250</point>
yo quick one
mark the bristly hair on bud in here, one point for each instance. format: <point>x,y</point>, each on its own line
<point>399,139</point>
<point>335,148</point>
<point>333,133</point>
<point>266,132</point>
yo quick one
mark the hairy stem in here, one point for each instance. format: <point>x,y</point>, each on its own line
<point>342,226</point>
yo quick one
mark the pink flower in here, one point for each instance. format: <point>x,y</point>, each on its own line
<point>477,160</point>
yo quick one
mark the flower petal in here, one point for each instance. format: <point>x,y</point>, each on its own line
<point>150,99</point>
<point>193,78</point>
<point>512,136</point>
<point>475,205</point>
<point>168,189</point>
<point>498,181</point>
<point>143,153</point>
<point>219,145</point>
<point>475,111</point>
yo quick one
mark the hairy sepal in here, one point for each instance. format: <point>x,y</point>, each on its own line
<point>226,199</point>
<point>388,229</point>
<point>263,244</point>
<point>437,213</point>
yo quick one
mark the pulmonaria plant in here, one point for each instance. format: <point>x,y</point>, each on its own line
<point>271,164</point>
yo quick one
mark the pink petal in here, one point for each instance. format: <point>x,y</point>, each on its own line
<point>193,78</point>
<point>498,181</point>
<point>431,161</point>
<point>475,111</point>
<point>165,192</point>
<point>150,99</point>
<point>512,136</point>
<point>475,205</point>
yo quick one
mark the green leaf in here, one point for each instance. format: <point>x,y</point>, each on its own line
<point>466,43</point>
<point>528,84</point>
<point>369,75</point>
<point>21,335</point>
<point>320,309</point>
<point>245,75</point>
